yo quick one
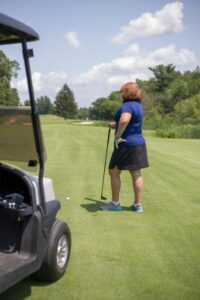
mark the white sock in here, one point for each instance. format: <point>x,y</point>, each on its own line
<point>116,203</point>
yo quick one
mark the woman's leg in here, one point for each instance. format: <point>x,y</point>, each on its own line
<point>137,186</point>
<point>115,183</point>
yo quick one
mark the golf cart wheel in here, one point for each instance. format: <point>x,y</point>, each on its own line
<point>57,253</point>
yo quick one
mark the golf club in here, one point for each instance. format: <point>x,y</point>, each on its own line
<point>103,197</point>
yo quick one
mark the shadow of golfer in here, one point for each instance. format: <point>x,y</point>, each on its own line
<point>94,206</point>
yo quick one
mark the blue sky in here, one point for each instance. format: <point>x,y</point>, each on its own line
<point>95,46</point>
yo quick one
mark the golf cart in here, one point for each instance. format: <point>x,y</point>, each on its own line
<point>32,240</point>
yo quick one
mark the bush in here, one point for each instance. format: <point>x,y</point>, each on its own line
<point>180,132</point>
<point>157,121</point>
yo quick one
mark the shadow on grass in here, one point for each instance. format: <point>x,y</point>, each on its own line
<point>22,290</point>
<point>96,204</point>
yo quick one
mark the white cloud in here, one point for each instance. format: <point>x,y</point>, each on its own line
<point>95,74</point>
<point>72,38</point>
<point>165,21</point>
<point>118,80</point>
<point>169,55</point>
<point>132,49</point>
<point>103,78</point>
<point>44,84</point>
<point>135,65</point>
<point>20,85</point>
<point>37,81</point>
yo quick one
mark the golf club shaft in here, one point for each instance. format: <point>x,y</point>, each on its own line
<point>108,138</point>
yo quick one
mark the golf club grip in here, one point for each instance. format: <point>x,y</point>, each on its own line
<point>108,139</point>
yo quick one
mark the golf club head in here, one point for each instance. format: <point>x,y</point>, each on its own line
<point>103,198</point>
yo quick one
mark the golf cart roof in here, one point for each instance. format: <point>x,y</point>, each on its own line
<point>13,31</point>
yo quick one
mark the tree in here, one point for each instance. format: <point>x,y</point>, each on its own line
<point>83,113</point>
<point>188,111</point>
<point>104,109</point>
<point>164,76</point>
<point>169,96</point>
<point>192,78</point>
<point>65,104</point>
<point>27,103</point>
<point>108,109</point>
<point>115,96</point>
<point>95,109</point>
<point>8,70</point>
<point>44,105</point>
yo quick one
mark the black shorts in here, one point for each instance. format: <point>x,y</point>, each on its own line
<point>132,158</point>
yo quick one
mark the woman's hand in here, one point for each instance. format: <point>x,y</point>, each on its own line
<point>118,141</point>
<point>112,125</point>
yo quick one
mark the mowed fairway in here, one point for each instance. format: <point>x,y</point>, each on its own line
<point>122,255</point>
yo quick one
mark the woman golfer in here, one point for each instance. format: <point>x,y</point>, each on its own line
<point>129,147</point>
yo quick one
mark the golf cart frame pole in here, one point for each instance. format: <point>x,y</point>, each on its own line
<point>36,124</point>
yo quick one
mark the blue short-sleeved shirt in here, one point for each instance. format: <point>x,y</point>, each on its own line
<point>133,132</point>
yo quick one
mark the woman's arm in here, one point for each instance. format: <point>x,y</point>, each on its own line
<point>123,122</point>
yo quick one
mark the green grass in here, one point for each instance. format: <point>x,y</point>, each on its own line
<point>122,255</point>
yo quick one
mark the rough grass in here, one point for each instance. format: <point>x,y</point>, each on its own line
<point>122,255</point>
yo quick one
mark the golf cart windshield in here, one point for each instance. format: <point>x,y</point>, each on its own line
<point>21,140</point>
<point>17,144</point>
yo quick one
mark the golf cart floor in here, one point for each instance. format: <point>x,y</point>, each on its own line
<point>11,262</point>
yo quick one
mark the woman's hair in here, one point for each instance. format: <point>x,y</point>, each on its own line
<point>131,90</point>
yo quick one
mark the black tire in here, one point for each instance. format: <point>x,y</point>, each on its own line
<point>55,263</point>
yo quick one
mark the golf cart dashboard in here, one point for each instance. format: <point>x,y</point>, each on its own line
<point>15,198</point>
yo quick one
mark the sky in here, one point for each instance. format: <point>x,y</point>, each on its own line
<point>95,46</point>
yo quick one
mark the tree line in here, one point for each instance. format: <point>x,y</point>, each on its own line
<point>169,96</point>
